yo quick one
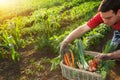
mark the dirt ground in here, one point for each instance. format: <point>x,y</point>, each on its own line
<point>36,66</point>
<point>32,66</point>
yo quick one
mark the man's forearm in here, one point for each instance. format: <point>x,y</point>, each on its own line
<point>76,33</point>
<point>115,55</point>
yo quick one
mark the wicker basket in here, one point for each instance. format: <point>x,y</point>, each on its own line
<point>78,74</point>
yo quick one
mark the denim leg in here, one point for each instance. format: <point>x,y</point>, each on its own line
<point>116,38</point>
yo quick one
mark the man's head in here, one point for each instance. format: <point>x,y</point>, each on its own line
<point>110,11</point>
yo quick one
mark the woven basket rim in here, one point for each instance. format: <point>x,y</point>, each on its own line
<point>80,70</point>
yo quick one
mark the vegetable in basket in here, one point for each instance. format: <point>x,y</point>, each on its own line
<point>69,59</point>
<point>93,65</point>
<point>81,55</point>
<point>106,63</point>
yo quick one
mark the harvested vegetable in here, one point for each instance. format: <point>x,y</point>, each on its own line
<point>81,54</point>
<point>108,64</point>
<point>66,59</point>
<point>93,65</point>
<point>80,65</point>
<point>72,56</point>
<point>69,59</point>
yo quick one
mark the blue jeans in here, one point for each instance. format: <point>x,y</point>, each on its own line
<point>116,38</point>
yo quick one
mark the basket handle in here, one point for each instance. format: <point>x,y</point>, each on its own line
<point>91,53</point>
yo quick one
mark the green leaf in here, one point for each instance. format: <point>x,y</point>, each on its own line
<point>104,74</point>
<point>55,62</point>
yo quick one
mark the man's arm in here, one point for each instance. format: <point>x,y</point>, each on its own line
<point>73,35</point>
<point>76,33</point>
<point>114,55</point>
<point>92,23</point>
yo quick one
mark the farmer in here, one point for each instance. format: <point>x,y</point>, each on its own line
<point>109,14</point>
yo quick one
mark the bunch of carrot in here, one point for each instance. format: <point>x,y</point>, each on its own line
<point>69,59</point>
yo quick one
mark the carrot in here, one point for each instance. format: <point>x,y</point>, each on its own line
<point>72,56</point>
<point>65,59</point>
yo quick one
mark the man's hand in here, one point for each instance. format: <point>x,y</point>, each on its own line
<point>63,49</point>
<point>103,57</point>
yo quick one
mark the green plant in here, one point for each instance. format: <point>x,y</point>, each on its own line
<point>14,31</point>
<point>108,64</point>
<point>95,36</point>
<point>55,62</point>
<point>9,42</point>
<point>81,55</point>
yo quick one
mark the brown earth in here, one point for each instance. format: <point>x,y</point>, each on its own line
<point>33,66</point>
<point>30,67</point>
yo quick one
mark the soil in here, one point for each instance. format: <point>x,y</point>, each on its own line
<point>35,65</point>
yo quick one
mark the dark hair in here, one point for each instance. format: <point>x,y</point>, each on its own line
<point>107,5</point>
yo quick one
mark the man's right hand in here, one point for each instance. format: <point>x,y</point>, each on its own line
<point>103,57</point>
<point>63,49</point>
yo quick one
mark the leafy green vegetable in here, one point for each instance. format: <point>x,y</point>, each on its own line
<point>81,54</point>
<point>108,64</point>
<point>109,47</point>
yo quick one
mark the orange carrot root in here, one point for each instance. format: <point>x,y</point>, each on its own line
<point>72,56</point>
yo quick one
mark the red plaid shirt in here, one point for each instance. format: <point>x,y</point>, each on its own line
<point>96,20</point>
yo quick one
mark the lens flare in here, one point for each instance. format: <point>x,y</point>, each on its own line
<point>4,2</point>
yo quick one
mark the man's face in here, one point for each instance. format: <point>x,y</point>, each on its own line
<point>109,17</point>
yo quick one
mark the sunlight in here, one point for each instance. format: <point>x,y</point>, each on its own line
<point>4,2</point>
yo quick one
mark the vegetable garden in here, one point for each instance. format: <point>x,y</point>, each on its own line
<point>32,32</point>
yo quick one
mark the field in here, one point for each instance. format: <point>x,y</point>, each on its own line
<point>32,30</point>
